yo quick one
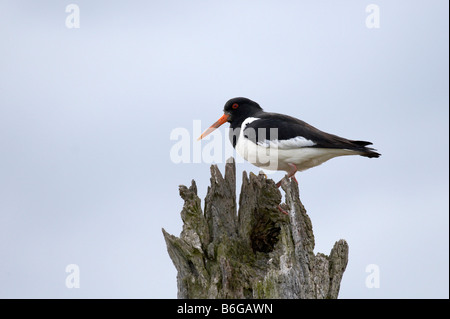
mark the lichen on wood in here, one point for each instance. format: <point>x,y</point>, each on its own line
<point>251,250</point>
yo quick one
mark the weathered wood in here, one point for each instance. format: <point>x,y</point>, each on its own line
<point>253,252</point>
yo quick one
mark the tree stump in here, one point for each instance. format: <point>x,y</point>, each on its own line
<point>253,252</point>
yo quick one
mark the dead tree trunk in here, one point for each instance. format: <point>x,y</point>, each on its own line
<point>256,252</point>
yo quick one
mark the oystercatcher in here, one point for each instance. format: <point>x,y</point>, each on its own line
<point>280,142</point>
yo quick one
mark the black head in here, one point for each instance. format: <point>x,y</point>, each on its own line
<point>235,112</point>
<point>239,108</point>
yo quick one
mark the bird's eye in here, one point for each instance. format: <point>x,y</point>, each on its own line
<point>235,106</point>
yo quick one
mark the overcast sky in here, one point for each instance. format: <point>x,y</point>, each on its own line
<point>86,116</point>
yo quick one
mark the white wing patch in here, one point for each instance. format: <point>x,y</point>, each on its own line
<point>296,142</point>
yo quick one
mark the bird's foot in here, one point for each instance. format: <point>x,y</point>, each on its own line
<point>282,210</point>
<point>279,183</point>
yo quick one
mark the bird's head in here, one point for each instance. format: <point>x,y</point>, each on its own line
<point>235,111</point>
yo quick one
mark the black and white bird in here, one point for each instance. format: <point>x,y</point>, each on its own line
<point>280,142</point>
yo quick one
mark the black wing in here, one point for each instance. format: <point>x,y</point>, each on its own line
<point>294,133</point>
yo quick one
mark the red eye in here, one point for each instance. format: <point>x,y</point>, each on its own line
<point>235,106</point>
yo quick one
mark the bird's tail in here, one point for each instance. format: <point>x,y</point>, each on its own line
<point>365,151</point>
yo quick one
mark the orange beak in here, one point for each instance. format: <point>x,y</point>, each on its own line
<point>219,122</point>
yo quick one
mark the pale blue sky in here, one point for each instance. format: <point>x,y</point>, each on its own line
<point>86,115</point>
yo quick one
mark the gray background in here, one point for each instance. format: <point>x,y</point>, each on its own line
<point>86,114</point>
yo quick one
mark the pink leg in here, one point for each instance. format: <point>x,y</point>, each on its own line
<point>282,210</point>
<point>291,173</point>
